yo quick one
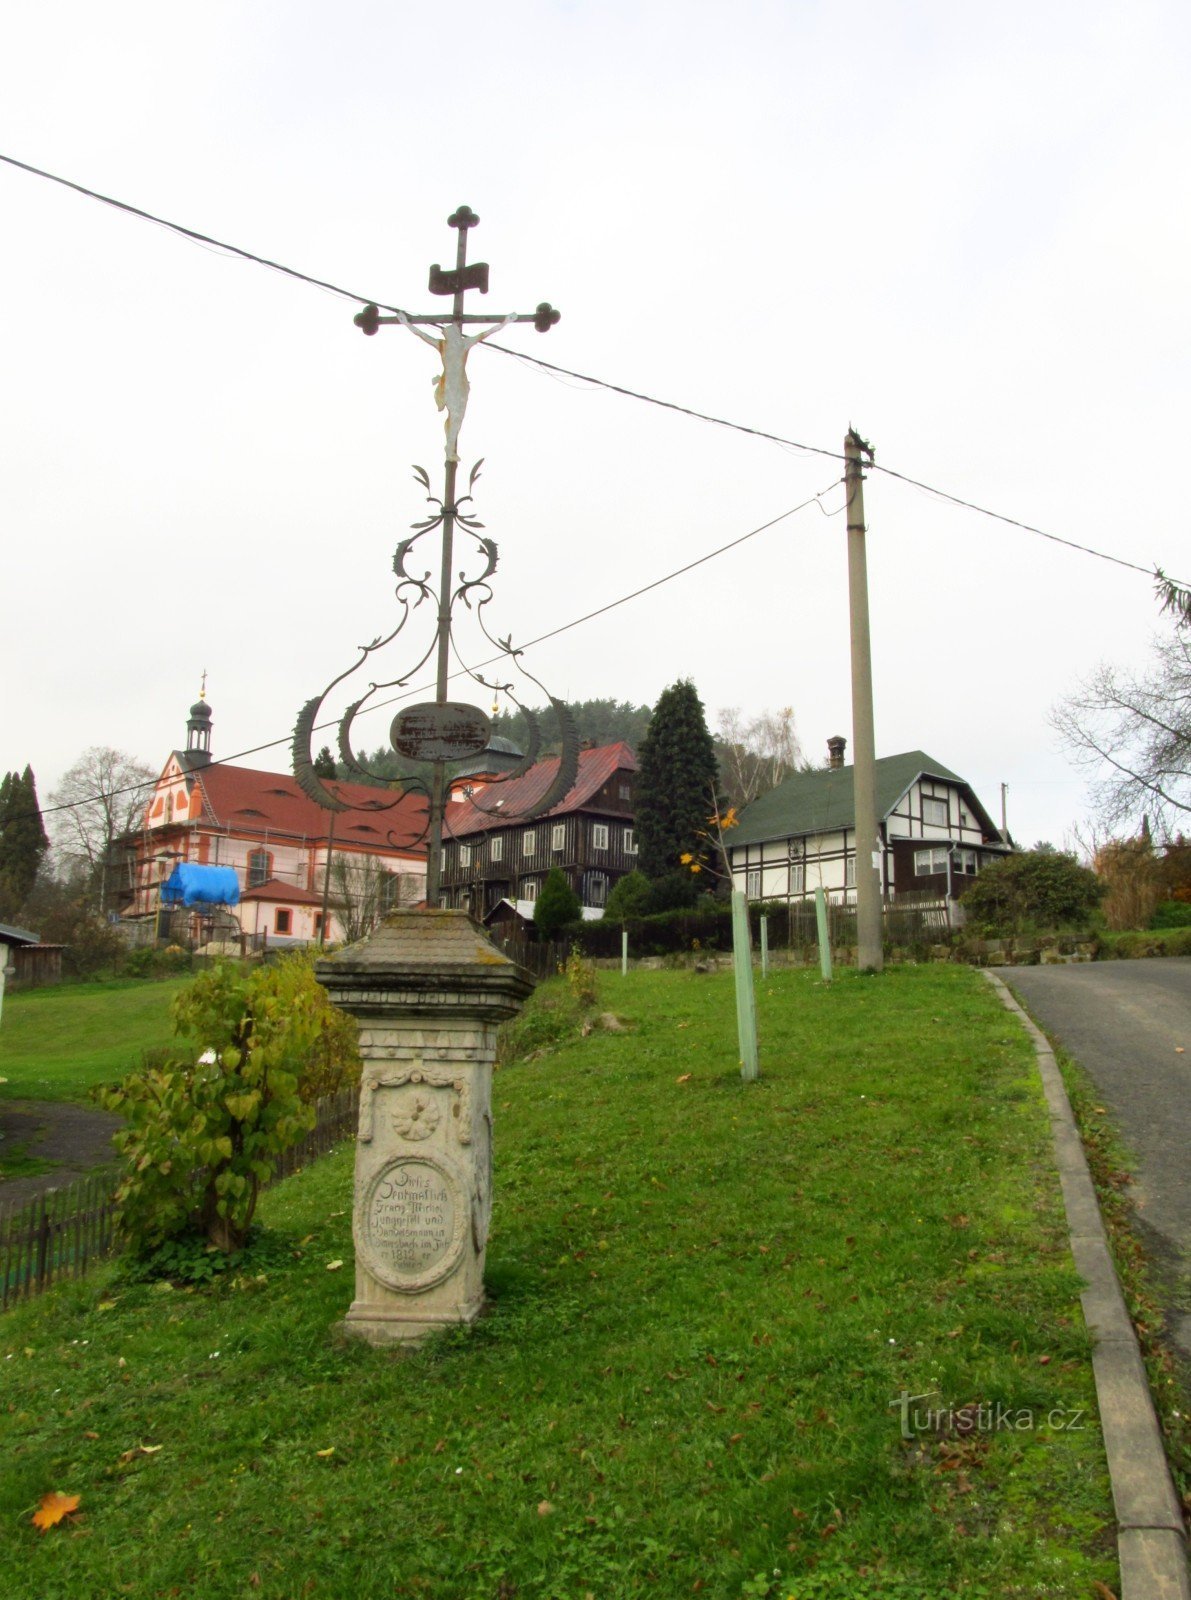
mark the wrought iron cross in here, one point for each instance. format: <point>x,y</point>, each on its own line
<point>451,386</point>
<point>451,391</point>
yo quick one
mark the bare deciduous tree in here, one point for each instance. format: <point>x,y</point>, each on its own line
<point>104,794</point>
<point>1134,728</point>
<point>755,753</point>
<point>364,889</point>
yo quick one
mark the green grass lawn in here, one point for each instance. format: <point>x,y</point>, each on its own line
<point>706,1298</point>
<point>57,1043</point>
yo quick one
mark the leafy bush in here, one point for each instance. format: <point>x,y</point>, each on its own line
<point>581,978</point>
<point>629,897</point>
<point>556,904</point>
<point>1171,914</point>
<point>149,962</point>
<point>1133,946</point>
<point>1033,889</point>
<point>710,924</point>
<point>204,1134</point>
<point>676,891</point>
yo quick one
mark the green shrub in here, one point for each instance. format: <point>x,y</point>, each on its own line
<point>149,962</point>
<point>629,897</point>
<point>556,904</point>
<point>204,1134</point>
<point>581,978</point>
<point>1171,914</point>
<point>676,891</point>
<point>1033,889</point>
<point>1133,946</point>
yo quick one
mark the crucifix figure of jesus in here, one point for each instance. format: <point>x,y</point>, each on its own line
<point>448,338</point>
<point>451,387</point>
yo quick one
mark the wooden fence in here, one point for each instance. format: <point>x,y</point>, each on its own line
<point>61,1233</point>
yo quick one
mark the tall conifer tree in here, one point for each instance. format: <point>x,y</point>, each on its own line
<point>23,840</point>
<point>676,785</point>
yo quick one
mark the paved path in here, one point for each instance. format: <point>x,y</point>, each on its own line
<point>75,1138</point>
<point>1125,1022</point>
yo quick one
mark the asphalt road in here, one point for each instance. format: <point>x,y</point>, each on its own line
<point>1128,1024</point>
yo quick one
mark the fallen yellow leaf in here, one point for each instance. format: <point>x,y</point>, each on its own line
<point>334,1266</point>
<point>544,1508</point>
<point>329,1451</point>
<point>53,1508</point>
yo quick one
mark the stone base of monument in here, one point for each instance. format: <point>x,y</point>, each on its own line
<point>428,990</point>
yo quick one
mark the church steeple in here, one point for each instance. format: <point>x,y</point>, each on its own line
<point>198,729</point>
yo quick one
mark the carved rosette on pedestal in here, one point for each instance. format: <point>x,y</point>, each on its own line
<point>428,991</point>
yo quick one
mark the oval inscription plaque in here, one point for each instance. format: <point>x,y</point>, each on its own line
<point>414,1219</point>
<point>433,732</point>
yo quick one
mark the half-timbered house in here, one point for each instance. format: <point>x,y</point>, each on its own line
<point>934,833</point>
<point>493,852</point>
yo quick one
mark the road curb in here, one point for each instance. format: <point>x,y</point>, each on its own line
<point>1151,1537</point>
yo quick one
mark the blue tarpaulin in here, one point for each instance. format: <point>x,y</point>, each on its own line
<point>192,885</point>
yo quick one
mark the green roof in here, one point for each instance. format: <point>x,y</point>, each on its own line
<point>823,802</point>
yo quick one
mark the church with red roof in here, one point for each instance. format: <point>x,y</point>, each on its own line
<point>278,842</point>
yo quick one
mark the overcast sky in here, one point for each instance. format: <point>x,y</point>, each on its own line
<point>962,229</point>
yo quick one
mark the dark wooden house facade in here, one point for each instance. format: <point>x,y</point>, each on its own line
<point>492,853</point>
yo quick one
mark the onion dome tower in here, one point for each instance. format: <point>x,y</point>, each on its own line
<point>198,730</point>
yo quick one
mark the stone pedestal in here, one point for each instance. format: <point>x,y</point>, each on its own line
<point>428,991</point>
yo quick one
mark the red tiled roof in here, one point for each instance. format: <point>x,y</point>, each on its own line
<point>290,893</point>
<point>596,767</point>
<point>243,798</point>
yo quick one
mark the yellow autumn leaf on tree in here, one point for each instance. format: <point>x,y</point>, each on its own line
<point>54,1506</point>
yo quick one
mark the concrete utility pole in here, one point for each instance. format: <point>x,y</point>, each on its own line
<point>870,956</point>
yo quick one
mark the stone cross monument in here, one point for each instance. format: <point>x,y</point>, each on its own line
<point>428,991</point>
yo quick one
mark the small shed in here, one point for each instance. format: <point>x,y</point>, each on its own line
<point>29,962</point>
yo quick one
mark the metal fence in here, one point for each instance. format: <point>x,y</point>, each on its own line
<point>59,1235</point>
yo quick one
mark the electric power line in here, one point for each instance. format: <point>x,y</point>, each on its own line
<point>601,383</point>
<point>589,616</point>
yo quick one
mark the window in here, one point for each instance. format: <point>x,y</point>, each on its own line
<point>529,889</point>
<point>964,861</point>
<point>797,877</point>
<point>465,855</point>
<point>850,872</point>
<point>934,812</point>
<point>260,864</point>
<point>389,891</point>
<point>597,888</point>
<point>599,836</point>
<point>929,862</point>
<point>558,836</point>
<point>630,841</point>
<point>529,843</point>
<point>498,847</point>
<point>752,883</point>
<point>281,922</point>
<point>318,923</point>
<point>625,792</point>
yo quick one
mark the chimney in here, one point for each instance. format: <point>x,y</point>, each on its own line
<point>835,751</point>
